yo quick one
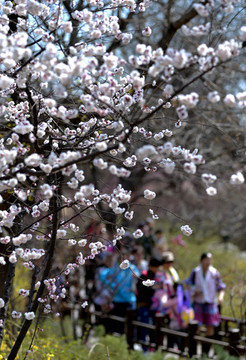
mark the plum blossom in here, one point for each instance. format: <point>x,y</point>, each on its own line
<point>29,315</point>
<point>120,231</point>
<point>125,264</point>
<point>5,240</point>
<point>241,96</point>
<point>211,191</point>
<point>182,112</point>
<point>168,165</point>
<point>101,146</point>
<point>2,303</point>
<point>2,261</point>
<point>190,101</point>
<point>153,215</point>
<point>138,234</point>
<point>202,49</point>
<point>100,163</point>
<point>110,61</point>
<point>213,97</point>
<point>13,258</point>
<point>243,33</point>
<point>5,82</point>
<point>237,179</point>
<point>190,168</point>
<point>23,293</point>
<point>33,160</point>
<point>23,127</point>
<point>201,9</point>
<point>67,26</point>
<point>16,314</point>
<point>186,230</point>
<point>73,184</point>
<point>84,304</point>
<point>146,151</point>
<point>82,242</point>
<point>61,233</point>
<point>208,178</point>
<point>149,195</point>
<point>130,161</point>
<point>148,282</point>
<point>230,100</point>
<point>129,215</point>
<point>146,31</point>
<point>71,242</point>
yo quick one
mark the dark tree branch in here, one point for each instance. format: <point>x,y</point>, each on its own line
<point>173,27</point>
<point>27,323</point>
<point>6,296</point>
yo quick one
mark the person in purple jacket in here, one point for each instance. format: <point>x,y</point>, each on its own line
<point>208,292</point>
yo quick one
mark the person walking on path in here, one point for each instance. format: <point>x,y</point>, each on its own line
<point>205,282</point>
<point>144,299</point>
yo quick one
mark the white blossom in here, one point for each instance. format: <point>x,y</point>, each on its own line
<point>61,233</point>
<point>129,215</point>
<point>213,97</point>
<point>243,33</point>
<point>29,315</point>
<point>16,314</point>
<point>84,304</point>
<point>241,96</point>
<point>120,231</point>
<point>100,163</point>
<point>148,282</point>
<point>149,195</point>
<point>230,100</point>
<point>67,26</point>
<point>101,146</point>
<point>23,128</point>
<point>209,178</point>
<point>201,9</point>
<point>138,234</point>
<point>23,293</point>
<point>237,179</point>
<point>5,82</point>
<point>211,191</point>
<point>146,31</point>
<point>2,303</point>
<point>125,264</point>
<point>2,261</point>
<point>186,230</point>
<point>190,168</point>
<point>33,160</point>
<point>13,258</point>
<point>71,242</point>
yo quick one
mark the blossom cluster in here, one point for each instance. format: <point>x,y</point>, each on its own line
<point>79,120</point>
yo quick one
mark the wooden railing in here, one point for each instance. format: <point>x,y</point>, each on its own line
<point>230,336</point>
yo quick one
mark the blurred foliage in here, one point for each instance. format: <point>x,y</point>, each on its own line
<point>49,346</point>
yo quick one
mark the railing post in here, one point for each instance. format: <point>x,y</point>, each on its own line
<point>130,315</point>
<point>234,340</point>
<point>226,327</point>
<point>159,336</point>
<point>241,324</point>
<point>192,331</point>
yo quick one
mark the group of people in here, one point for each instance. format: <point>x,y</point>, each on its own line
<point>114,290</point>
<point>197,297</point>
